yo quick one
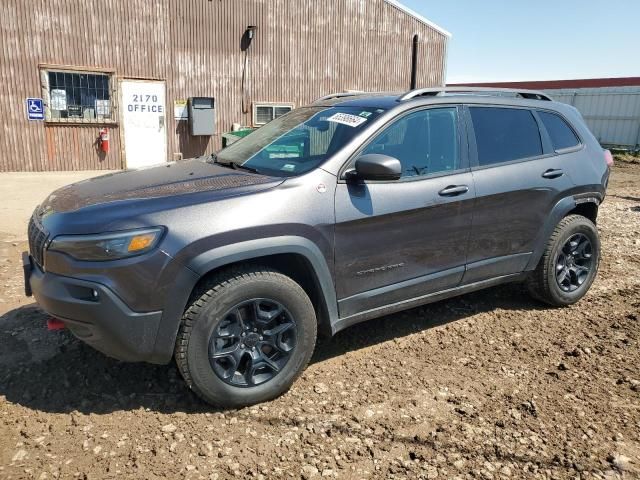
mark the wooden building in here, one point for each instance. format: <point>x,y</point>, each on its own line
<point>70,68</point>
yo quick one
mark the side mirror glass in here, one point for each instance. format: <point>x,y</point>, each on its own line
<point>375,166</point>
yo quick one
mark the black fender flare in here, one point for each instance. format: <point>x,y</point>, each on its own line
<point>559,211</point>
<point>209,260</point>
<point>254,249</point>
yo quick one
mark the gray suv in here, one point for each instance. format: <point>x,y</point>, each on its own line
<point>354,207</point>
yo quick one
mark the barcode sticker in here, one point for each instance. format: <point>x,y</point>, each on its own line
<point>346,119</point>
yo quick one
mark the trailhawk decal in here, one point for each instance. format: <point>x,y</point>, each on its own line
<point>380,269</point>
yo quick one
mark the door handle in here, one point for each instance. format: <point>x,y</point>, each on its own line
<point>453,190</point>
<point>553,173</point>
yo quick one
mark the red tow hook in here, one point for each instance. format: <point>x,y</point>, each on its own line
<point>55,324</point>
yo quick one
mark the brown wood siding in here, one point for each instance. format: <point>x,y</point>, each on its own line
<point>303,49</point>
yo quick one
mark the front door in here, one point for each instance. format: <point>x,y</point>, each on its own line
<point>407,238</point>
<point>144,122</point>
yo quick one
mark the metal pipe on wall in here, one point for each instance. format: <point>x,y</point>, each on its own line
<point>414,62</point>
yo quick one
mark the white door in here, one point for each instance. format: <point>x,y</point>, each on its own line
<point>144,121</point>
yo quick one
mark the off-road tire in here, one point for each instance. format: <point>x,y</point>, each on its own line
<point>203,314</point>
<point>542,284</point>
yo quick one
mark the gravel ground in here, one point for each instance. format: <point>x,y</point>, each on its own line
<point>488,385</point>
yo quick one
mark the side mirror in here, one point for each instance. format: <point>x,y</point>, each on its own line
<point>375,166</point>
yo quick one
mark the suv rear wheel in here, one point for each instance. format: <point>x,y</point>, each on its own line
<point>245,337</point>
<point>569,263</point>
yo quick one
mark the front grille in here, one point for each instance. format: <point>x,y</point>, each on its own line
<point>37,239</point>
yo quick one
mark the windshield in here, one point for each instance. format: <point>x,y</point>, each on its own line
<point>299,141</point>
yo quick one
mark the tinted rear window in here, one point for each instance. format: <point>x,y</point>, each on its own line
<point>561,134</point>
<point>505,134</point>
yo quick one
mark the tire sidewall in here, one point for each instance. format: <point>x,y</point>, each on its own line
<point>211,314</point>
<point>588,229</point>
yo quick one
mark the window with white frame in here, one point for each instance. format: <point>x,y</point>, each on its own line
<point>78,96</point>
<point>265,112</point>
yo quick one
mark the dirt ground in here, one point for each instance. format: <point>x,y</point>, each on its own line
<point>22,192</point>
<point>488,385</point>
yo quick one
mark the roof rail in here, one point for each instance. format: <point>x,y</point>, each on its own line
<point>338,95</point>
<point>434,91</point>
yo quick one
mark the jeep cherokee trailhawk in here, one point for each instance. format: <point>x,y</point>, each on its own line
<point>356,206</point>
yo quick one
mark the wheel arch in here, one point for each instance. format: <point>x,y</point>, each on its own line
<point>297,257</point>
<point>585,205</point>
<point>587,208</point>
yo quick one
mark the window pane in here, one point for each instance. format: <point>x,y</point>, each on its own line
<point>264,114</point>
<point>79,95</point>
<point>53,80</point>
<point>279,111</point>
<point>561,134</point>
<point>425,142</point>
<point>505,134</point>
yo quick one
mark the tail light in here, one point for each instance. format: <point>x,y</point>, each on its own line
<point>608,158</point>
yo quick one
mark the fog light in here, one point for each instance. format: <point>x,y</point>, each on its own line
<point>94,293</point>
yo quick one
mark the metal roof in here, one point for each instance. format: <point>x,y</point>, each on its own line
<point>418,17</point>
<point>554,84</point>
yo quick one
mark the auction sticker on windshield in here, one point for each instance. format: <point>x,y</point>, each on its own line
<point>346,119</point>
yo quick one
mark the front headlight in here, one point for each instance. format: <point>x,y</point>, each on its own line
<point>107,246</point>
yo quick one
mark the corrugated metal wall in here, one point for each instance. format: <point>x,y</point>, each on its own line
<point>303,49</point>
<point>612,113</point>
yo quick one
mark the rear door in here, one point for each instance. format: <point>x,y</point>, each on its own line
<point>402,239</point>
<point>518,179</point>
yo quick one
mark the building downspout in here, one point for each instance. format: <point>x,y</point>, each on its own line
<point>414,62</point>
<point>245,43</point>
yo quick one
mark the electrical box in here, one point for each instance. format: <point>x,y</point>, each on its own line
<point>202,115</point>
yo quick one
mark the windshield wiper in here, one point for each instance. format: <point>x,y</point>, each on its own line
<point>238,166</point>
<point>235,166</point>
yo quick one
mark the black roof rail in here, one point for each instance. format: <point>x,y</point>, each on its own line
<point>352,93</point>
<point>338,95</point>
<point>434,91</point>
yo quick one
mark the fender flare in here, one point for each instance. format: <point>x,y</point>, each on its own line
<point>209,260</point>
<point>559,211</point>
<point>253,249</point>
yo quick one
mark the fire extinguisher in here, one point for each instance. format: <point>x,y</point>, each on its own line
<point>104,140</point>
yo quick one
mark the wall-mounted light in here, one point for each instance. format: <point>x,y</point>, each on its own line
<point>251,31</point>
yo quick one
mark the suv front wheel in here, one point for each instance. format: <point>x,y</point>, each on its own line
<point>245,337</point>
<point>569,263</point>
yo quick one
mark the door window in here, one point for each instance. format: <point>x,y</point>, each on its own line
<point>561,134</point>
<point>505,134</point>
<point>425,142</point>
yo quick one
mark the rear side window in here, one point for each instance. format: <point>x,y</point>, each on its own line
<point>561,134</point>
<point>505,134</point>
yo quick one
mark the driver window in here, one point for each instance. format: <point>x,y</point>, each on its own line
<point>425,142</point>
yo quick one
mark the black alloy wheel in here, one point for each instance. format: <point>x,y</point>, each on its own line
<point>573,262</point>
<point>569,263</point>
<point>252,343</point>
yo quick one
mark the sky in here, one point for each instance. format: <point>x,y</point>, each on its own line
<point>502,40</point>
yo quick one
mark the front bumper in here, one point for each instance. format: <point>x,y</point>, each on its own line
<point>96,315</point>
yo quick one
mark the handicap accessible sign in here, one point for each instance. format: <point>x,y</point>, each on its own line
<point>35,109</point>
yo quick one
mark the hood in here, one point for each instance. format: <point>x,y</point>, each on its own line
<point>192,180</point>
